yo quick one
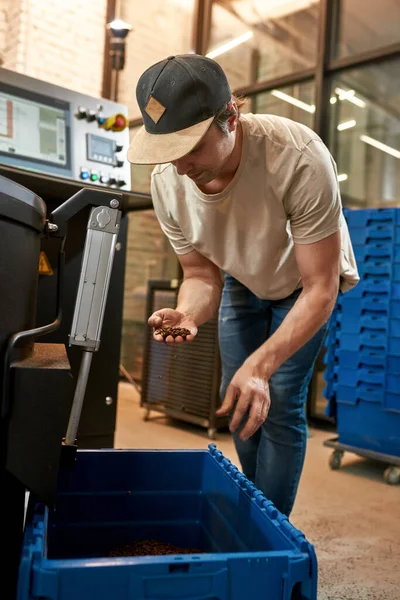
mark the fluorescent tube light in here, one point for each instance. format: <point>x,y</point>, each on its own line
<point>349,95</point>
<point>229,45</point>
<point>303,105</point>
<point>380,146</point>
<point>346,125</point>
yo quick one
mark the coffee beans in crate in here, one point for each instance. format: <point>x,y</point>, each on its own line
<point>151,548</point>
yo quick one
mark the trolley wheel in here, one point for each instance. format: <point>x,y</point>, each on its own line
<point>146,415</point>
<point>212,433</point>
<point>336,459</point>
<point>392,475</point>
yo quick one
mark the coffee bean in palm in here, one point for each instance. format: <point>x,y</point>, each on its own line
<point>173,332</point>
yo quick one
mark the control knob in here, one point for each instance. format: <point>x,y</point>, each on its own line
<point>82,112</point>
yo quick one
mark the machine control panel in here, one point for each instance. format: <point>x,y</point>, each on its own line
<point>50,129</point>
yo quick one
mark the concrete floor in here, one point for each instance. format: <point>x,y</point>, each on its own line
<point>351,516</point>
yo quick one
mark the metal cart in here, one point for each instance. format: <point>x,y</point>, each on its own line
<point>391,474</point>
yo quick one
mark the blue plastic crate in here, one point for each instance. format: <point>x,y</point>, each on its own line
<point>331,371</point>
<point>370,288</point>
<point>330,356</point>
<point>374,375</point>
<point>384,233</point>
<point>329,392</point>
<point>368,358</point>
<point>331,378</point>
<point>330,408</point>
<point>366,392</point>
<point>379,341</point>
<point>330,339</point>
<point>368,252</point>
<point>392,402</point>
<point>377,304</point>
<point>369,323</point>
<point>373,269</point>
<point>370,217</point>
<point>195,499</point>
<point>366,426</point>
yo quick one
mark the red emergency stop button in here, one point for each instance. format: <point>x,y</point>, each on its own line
<point>120,122</point>
<point>117,122</point>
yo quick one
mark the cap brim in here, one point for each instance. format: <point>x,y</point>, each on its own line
<point>153,149</point>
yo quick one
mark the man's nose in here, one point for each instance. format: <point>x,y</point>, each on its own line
<point>182,166</point>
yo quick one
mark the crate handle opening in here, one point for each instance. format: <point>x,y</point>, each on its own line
<point>179,568</point>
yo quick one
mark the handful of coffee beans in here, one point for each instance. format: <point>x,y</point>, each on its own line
<point>173,332</point>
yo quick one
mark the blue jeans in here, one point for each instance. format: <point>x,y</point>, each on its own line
<point>273,457</point>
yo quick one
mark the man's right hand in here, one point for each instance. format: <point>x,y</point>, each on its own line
<point>167,317</point>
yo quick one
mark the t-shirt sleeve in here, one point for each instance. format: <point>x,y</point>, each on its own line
<point>168,225</point>
<point>312,202</point>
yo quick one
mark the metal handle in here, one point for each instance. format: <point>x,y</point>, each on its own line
<point>98,256</point>
<point>79,397</point>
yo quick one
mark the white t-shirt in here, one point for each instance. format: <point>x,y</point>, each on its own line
<point>285,190</point>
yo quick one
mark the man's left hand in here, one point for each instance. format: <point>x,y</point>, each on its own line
<point>250,387</point>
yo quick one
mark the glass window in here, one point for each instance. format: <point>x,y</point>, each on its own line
<point>294,102</point>
<point>365,133</point>
<point>160,28</point>
<point>255,40</point>
<point>366,25</point>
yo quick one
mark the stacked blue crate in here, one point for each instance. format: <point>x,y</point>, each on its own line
<point>363,343</point>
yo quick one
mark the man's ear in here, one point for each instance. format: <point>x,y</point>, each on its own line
<point>233,121</point>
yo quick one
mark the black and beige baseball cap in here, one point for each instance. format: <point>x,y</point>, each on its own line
<point>178,98</point>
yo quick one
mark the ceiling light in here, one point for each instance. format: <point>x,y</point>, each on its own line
<point>380,146</point>
<point>303,105</point>
<point>350,96</point>
<point>342,177</point>
<point>346,125</point>
<point>229,45</point>
<point>333,100</point>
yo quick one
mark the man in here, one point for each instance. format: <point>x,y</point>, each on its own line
<point>255,197</point>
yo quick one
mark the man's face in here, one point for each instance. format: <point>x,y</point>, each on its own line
<point>206,161</point>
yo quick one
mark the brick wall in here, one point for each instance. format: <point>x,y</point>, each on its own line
<point>160,28</point>
<point>12,29</point>
<point>60,42</point>
<point>3,28</point>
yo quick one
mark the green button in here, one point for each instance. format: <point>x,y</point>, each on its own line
<point>94,177</point>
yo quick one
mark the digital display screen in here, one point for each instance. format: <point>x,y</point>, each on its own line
<point>101,149</point>
<point>34,127</point>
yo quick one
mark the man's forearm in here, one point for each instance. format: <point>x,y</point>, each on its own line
<point>312,309</point>
<point>199,298</point>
